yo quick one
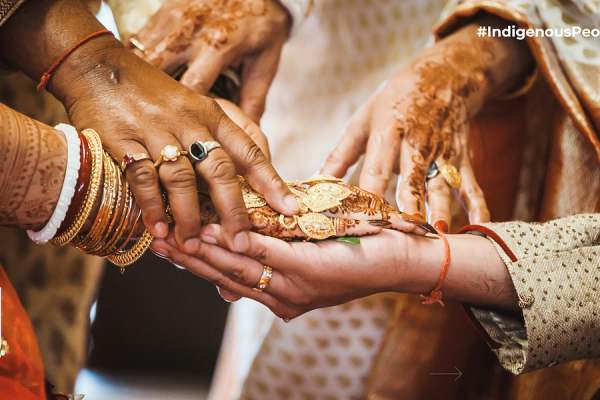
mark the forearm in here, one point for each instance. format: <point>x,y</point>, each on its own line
<point>32,170</point>
<point>476,274</point>
<point>40,32</point>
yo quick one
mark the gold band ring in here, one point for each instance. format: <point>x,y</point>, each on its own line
<point>130,158</point>
<point>137,44</point>
<point>263,283</point>
<point>169,153</point>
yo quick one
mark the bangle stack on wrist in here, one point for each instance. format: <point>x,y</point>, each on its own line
<point>119,217</point>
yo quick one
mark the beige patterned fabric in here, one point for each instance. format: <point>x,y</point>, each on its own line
<point>342,53</point>
<point>326,354</point>
<point>558,263</point>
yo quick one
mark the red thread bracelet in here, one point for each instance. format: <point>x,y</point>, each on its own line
<point>48,74</point>
<point>436,293</point>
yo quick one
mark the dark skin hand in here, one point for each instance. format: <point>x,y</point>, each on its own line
<point>136,108</point>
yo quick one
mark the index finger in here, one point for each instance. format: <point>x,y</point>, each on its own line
<point>252,163</point>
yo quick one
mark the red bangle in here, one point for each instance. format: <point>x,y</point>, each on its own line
<point>81,186</point>
<point>48,74</point>
<point>436,293</point>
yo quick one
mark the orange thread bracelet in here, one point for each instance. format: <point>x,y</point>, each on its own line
<point>436,293</point>
<point>48,74</point>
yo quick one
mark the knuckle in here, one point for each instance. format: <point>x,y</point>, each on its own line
<point>238,274</point>
<point>373,170</point>
<point>220,168</point>
<point>144,175</point>
<point>253,155</point>
<point>238,214</point>
<point>474,191</point>
<point>221,281</point>
<point>179,176</point>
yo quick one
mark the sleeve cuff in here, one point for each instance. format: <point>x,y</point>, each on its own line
<point>299,10</point>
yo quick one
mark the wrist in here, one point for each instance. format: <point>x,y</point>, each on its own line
<point>422,260</point>
<point>89,68</point>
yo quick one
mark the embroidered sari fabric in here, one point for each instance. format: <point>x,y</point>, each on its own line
<point>21,369</point>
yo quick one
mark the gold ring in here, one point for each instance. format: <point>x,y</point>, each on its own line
<point>130,158</point>
<point>169,153</point>
<point>137,44</point>
<point>451,176</point>
<point>263,283</point>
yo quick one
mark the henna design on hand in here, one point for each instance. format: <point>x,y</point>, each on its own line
<point>211,21</point>
<point>438,107</point>
<point>32,168</point>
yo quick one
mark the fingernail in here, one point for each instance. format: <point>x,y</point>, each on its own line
<point>414,219</point>
<point>428,228</point>
<point>161,230</point>
<point>241,242</point>
<point>418,215</point>
<point>441,226</point>
<point>191,245</point>
<point>292,203</point>
<point>208,239</point>
<point>379,222</point>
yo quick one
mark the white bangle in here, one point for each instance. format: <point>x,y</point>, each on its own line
<point>68,189</point>
<point>299,10</point>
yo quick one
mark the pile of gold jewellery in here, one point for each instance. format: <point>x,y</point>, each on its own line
<point>315,195</point>
<point>118,216</point>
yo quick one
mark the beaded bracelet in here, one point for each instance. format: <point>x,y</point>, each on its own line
<point>68,189</point>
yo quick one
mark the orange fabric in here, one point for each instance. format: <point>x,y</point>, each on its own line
<point>21,370</point>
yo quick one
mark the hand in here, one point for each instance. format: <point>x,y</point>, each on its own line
<point>208,36</point>
<point>138,109</point>
<point>358,214</point>
<point>422,115</point>
<point>314,275</point>
<point>246,124</point>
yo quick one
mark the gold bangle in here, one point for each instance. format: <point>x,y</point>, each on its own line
<point>111,244</point>
<point>128,257</point>
<point>95,146</point>
<point>107,208</point>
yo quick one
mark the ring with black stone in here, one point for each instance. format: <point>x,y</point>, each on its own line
<point>199,150</point>
<point>432,171</point>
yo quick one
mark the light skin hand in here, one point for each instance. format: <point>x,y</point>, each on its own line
<point>313,275</point>
<point>138,109</point>
<point>208,36</point>
<point>422,115</point>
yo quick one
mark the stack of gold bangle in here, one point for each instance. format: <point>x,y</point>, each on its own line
<point>118,216</point>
